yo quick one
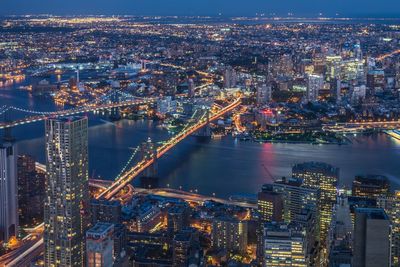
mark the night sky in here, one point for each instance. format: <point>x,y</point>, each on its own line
<point>311,8</point>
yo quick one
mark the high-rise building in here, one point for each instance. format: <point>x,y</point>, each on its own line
<point>376,80</point>
<point>284,66</point>
<point>230,234</point>
<point>31,190</point>
<point>314,84</point>
<point>230,78</point>
<point>8,192</point>
<point>336,89</point>
<point>325,178</point>
<point>296,197</point>
<point>370,186</point>
<point>191,88</point>
<point>340,234</point>
<point>352,70</point>
<point>358,51</point>
<point>372,235</point>
<point>332,67</point>
<point>308,221</point>
<point>66,191</point>
<point>270,207</point>
<point>284,245</point>
<point>391,205</point>
<point>100,245</point>
<point>264,94</point>
<point>269,204</point>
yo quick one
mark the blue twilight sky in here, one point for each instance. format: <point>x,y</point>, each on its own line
<point>356,8</point>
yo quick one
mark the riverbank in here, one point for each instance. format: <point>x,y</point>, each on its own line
<point>301,138</point>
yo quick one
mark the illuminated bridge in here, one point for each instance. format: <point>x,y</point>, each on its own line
<point>105,102</point>
<point>127,176</point>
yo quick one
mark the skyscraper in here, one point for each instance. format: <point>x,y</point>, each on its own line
<point>391,204</point>
<point>230,78</point>
<point>314,84</point>
<point>270,208</point>
<point>332,70</point>
<point>324,177</point>
<point>8,192</point>
<point>31,187</point>
<point>66,191</point>
<point>372,234</point>
<point>296,197</point>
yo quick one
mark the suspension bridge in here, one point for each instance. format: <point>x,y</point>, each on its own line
<point>112,100</point>
<point>193,125</point>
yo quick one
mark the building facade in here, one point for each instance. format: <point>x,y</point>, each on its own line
<point>66,191</point>
<point>8,192</point>
<point>100,245</point>
<point>372,238</point>
<point>284,245</point>
<point>230,234</point>
<point>325,178</point>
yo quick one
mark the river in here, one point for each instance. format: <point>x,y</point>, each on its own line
<point>223,166</point>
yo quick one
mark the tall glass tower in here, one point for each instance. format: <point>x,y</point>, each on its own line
<point>66,191</point>
<point>8,192</point>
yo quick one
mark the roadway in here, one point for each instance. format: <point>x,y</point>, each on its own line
<point>192,197</point>
<point>74,111</point>
<point>128,176</point>
<point>32,245</point>
<point>382,57</point>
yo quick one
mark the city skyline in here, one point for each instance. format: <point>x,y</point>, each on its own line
<point>304,8</point>
<point>175,141</point>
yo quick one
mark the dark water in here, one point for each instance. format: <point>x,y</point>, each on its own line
<point>224,166</point>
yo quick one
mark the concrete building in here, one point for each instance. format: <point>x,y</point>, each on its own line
<point>100,245</point>
<point>230,234</point>
<point>181,247</point>
<point>177,218</point>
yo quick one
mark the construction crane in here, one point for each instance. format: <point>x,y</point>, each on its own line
<point>268,172</point>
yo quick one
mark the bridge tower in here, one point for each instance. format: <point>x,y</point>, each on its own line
<point>114,112</point>
<point>148,151</point>
<point>7,134</point>
<point>205,133</point>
